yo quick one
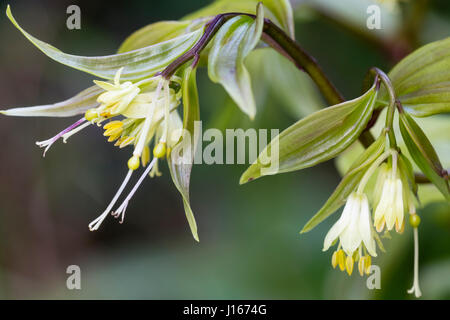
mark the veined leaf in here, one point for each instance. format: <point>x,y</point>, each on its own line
<point>348,183</point>
<point>78,104</point>
<point>278,11</point>
<point>422,79</point>
<point>138,64</point>
<point>428,100</point>
<point>153,34</point>
<point>423,153</point>
<point>180,169</point>
<point>315,139</point>
<point>234,41</point>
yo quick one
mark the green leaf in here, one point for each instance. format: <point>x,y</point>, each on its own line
<point>180,169</point>
<point>138,64</point>
<point>422,79</point>
<point>348,183</point>
<point>234,41</point>
<point>278,11</point>
<point>78,104</point>
<point>153,34</point>
<point>406,169</point>
<point>423,153</point>
<point>316,138</point>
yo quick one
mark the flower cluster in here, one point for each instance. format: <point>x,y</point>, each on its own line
<point>136,114</point>
<point>356,231</point>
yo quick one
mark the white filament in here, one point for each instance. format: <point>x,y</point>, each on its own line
<point>94,225</point>
<point>123,207</point>
<point>415,287</point>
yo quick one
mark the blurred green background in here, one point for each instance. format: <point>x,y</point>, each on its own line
<point>250,247</point>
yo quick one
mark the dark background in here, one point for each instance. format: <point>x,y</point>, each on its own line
<point>250,247</point>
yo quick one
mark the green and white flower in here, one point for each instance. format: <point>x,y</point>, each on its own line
<point>354,231</point>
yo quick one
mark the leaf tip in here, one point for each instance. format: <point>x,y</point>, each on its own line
<point>8,12</point>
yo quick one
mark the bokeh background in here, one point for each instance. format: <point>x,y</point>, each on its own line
<point>250,247</point>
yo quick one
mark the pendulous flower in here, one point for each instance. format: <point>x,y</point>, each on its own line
<point>354,231</point>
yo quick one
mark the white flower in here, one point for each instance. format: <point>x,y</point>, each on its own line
<point>390,206</point>
<point>354,232</point>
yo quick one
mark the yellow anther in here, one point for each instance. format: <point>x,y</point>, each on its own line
<point>106,114</point>
<point>341,259</point>
<point>114,137</point>
<point>160,150</point>
<point>349,265</point>
<point>334,261</point>
<point>113,131</point>
<point>126,142</point>
<point>91,114</point>
<point>145,157</point>
<point>113,124</point>
<point>119,142</point>
<point>368,264</point>
<point>414,220</point>
<point>362,266</point>
<point>133,163</point>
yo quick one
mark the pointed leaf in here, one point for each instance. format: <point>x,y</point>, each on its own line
<point>231,45</point>
<point>423,153</point>
<point>180,169</point>
<point>316,138</point>
<point>278,11</point>
<point>348,183</point>
<point>422,79</point>
<point>78,104</point>
<point>153,34</point>
<point>138,64</point>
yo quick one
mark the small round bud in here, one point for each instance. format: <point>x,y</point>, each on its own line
<point>91,114</point>
<point>133,163</point>
<point>160,150</point>
<point>414,220</point>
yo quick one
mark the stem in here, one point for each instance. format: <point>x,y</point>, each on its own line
<point>391,105</point>
<point>282,43</point>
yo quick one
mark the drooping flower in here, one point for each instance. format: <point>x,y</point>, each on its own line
<point>389,210</point>
<point>149,108</point>
<point>355,235</point>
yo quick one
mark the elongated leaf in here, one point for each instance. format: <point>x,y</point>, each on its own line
<point>76,105</point>
<point>423,153</point>
<point>138,64</point>
<point>153,34</point>
<point>348,183</point>
<point>278,11</point>
<point>180,170</point>
<point>428,100</point>
<point>422,79</point>
<point>316,138</point>
<point>234,41</point>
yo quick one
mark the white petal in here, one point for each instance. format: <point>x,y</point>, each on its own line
<point>383,203</point>
<point>390,203</point>
<point>364,228</point>
<point>350,237</point>
<point>340,225</point>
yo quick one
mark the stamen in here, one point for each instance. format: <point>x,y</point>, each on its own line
<point>148,121</point>
<point>121,210</point>
<point>166,112</point>
<point>415,221</point>
<point>74,131</point>
<point>94,225</point>
<point>48,143</point>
